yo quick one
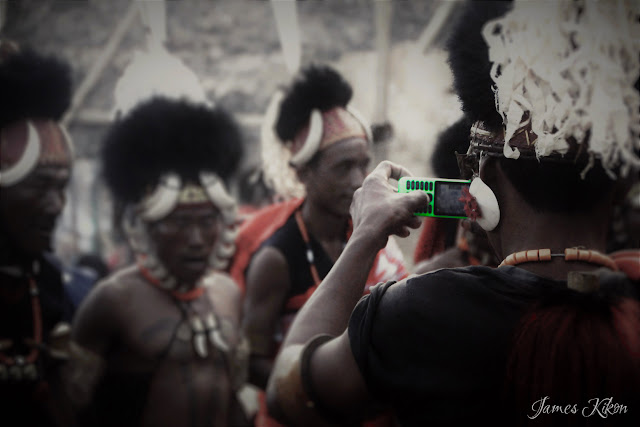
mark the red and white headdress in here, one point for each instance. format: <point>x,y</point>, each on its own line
<point>326,128</point>
<point>35,91</point>
<point>29,143</point>
<point>564,75</point>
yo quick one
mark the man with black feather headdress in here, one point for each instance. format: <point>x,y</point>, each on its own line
<point>286,249</point>
<point>446,242</point>
<point>35,306</point>
<point>552,335</point>
<point>157,343</point>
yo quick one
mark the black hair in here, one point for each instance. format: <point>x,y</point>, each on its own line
<point>33,85</point>
<point>315,87</point>
<point>162,135</point>
<point>557,186</point>
<point>454,139</point>
<point>548,185</point>
<point>468,57</point>
<point>568,345</point>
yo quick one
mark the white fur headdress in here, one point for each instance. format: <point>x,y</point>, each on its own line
<point>572,66</point>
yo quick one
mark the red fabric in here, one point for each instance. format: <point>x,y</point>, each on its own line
<point>259,226</point>
<point>628,261</point>
<point>471,207</point>
<point>432,239</point>
<point>256,227</point>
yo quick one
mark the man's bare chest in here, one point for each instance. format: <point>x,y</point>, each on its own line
<point>175,331</point>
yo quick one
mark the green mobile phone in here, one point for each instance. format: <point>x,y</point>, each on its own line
<point>444,195</point>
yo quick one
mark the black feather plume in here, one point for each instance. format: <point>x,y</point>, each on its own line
<point>33,86</point>
<point>469,61</point>
<point>316,87</point>
<point>161,136</point>
<point>451,140</point>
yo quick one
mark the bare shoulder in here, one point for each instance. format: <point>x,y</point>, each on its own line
<point>450,258</point>
<point>109,297</point>
<point>224,294</point>
<point>101,313</point>
<point>221,285</point>
<point>111,291</point>
<point>268,259</point>
<point>269,269</point>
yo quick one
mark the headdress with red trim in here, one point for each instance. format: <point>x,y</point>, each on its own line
<point>163,135</point>
<point>315,113</point>
<point>169,152</point>
<point>36,91</point>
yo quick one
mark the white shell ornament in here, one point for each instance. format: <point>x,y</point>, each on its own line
<point>27,161</point>
<point>488,204</point>
<point>312,142</point>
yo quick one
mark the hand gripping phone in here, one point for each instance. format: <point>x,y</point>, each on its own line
<point>444,195</point>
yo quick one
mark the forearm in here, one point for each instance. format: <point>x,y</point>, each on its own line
<point>329,308</point>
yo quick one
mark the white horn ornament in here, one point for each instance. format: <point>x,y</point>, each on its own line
<point>225,251</point>
<point>312,142</point>
<point>163,199</point>
<point>216,337</point>
<point>27,161</point>
<point>365,124</point>
<point>217,263</point>
<point>488,204</point>
<point>216,191</point>
<point>229,235</point>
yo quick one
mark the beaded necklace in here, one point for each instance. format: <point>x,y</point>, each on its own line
<point>193,326</point>
<point>307,242</point>
<point>570,254</point>
<point>22,367</point>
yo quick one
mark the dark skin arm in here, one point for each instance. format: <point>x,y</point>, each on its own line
<point>378,211</point>
<point>93,331</point>
<point>267,284</point>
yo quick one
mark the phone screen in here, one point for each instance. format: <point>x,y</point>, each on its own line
<point>447,198</point>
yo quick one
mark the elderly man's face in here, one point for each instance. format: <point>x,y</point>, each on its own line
<point>185,239</point>
<point>29,209</point>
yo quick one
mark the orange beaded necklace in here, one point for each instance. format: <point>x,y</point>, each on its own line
<point>570,254</point>
<point>190,295</point>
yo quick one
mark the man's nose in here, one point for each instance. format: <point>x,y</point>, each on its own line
<point>195,235</point>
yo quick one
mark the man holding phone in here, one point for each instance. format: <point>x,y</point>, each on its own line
<point>457,345</point>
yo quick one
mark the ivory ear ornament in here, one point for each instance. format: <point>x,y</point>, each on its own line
<point>487,202</point>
